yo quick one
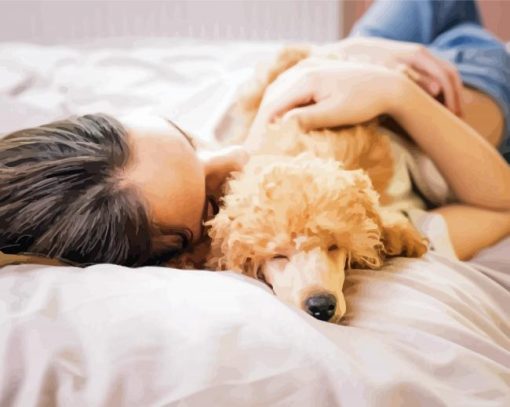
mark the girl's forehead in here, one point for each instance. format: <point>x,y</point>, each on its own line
<point>167,172</point>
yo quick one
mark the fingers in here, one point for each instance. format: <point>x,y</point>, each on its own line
<point>276,102</point>
<point>290,101</point>
<point>444,74</point>
<point>457,84</point>
<point>430,85</point>
<point>220,163</point>
<point>283,95</point>
<point>435,70</point>
<point>280,97</point>
<point>316,116</point>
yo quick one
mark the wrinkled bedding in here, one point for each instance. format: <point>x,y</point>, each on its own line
<point>192,82</point>
<point>433,331</point>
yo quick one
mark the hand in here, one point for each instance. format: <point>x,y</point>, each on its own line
<point>434,75</point>
<point>219,164</point>
<point>327,93</point>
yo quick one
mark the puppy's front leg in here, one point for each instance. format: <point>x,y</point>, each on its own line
<point>400,237</point>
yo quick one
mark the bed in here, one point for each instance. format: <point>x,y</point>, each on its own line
<point>427,332</point>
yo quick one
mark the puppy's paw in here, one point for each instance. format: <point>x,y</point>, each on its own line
<point>402,239</point>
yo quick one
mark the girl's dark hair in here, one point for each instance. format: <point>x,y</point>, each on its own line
<point>60,194</point>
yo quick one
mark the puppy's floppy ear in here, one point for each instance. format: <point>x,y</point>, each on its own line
<point>228,251</point>
<point>369,248</point>
<point>167,242</point>
<point>218,230</point>
<point>250,268</point>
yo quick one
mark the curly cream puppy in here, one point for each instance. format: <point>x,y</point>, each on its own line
<point>309,205</point>
<point>296,222</point>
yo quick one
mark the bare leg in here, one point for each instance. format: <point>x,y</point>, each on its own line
<point>483,114</point>
<point>472,229</point>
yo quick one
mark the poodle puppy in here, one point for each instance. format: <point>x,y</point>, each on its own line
<point>309,205</point>
<point>295,222</point>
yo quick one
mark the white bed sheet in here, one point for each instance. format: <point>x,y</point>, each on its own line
<point>193,82</point>
<point>428,332</point>
<point>420,332</point>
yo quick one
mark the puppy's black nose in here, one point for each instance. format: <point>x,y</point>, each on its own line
<point>321,306</point>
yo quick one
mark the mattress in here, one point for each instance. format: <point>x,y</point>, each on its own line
<point>433,331</point>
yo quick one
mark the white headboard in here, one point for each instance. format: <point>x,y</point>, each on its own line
<point>56,22</point>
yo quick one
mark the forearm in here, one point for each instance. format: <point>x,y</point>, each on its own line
<point>473,168</point>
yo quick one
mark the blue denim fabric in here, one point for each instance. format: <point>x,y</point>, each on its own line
<point>451,29</point>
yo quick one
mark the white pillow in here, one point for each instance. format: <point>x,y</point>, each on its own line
<point>111,336</point>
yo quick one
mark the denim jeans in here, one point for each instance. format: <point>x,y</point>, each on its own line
<point>451,29</point>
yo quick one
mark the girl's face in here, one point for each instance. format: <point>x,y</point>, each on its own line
<point>173,175</point>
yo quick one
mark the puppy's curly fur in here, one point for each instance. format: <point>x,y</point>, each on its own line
<point>316,199</point>
<point>357,147</point>
<point>280,203</point>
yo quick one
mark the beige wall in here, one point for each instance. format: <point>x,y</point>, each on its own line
<point>496,16</point>
<point>59,21</point>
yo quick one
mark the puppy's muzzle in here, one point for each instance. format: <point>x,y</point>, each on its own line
<point>321,306</point>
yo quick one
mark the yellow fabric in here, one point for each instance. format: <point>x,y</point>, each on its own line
<point>11,259</point>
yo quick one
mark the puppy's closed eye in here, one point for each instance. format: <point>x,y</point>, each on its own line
<point>332,248</point>
<point>280,256</point>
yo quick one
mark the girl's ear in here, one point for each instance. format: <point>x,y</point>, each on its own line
<point>164,242</point>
